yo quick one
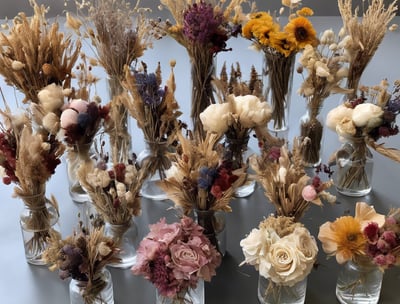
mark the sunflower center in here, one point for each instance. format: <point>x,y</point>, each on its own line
<point>351,237</point>
<point>301,34</point>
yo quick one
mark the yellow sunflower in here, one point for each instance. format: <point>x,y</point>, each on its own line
<point>302,31</point>
<point>282,43</point>
<point>263,32</point>
<point>343,238</point>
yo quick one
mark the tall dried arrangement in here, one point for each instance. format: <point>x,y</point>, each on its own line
<point>35,54</point>
<point>326,68</point>
<point>279,48</point>
<point>29,160</point>
<point>156,112</point>
<point>119,35</point>
<point>82,256</point>
<point>286,184</point>
<point>365,34</point>
<point>202,28</point>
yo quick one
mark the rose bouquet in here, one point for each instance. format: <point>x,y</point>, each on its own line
<point>367,243</point>
<point>279,48</point>
<point>175,257</point>
<point>83,257</point>
<point>361,123</point>
<point>364,35</point>
<point>325,66</point>
<point>198,181</point>
<point>283,252</point>
<point>202,28</point>
<point>29,160</point>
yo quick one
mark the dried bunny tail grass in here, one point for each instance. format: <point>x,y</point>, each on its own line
<point>366,34</point>
<point>35,54</point>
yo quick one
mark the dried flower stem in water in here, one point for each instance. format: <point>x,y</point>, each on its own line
<point>279,70</point>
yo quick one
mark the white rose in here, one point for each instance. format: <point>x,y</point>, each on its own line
<point>367,115</point>
<point>336,115</point>
<point>215,118</point>
<point>306,244</point>
<point>252,112</point>
<point>251,247</point>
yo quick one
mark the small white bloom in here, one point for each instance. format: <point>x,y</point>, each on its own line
<point>282,172</point>
<point>328,37</point>
<point>121,189</point>
<point>336,115</point>
<point>17,65</point>
<point>51,98</point>
<point>51,123</point>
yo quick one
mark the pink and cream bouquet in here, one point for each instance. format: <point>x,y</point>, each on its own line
<point>174,257</point>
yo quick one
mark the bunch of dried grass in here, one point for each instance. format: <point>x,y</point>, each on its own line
<point>35,54</point>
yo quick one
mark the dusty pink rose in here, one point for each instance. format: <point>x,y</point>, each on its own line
<point>163,232</point>
<point>68,118</point>
<point>309,193</point>
<point>186,260</point>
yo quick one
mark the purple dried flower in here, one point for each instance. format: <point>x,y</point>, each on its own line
<point>207,177</point>
<point>204,26</point>
<point>148,88</point>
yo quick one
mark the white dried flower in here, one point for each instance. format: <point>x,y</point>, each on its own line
<point>252,112</point>
<point>17,65</point>
<point>282,172</point>
<point>103,249</point>
<point>51,98</point>
<point>129,197</point>
<point>328,37</point>
<point>367,115</point>
<point>51,122</point>
<point>336,115</point>
<point>121,189</point>
<point>215,118</point>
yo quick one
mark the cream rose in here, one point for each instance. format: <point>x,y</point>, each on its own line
<point>252,112</point>
<point>367,115</point>
<point>336,115</point>
<point>251,246</point>
<point>215,117</point>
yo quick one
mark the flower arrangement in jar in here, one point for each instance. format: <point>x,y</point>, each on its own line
<point>366,244</point>
<point>177,258</point>
<point>279,47</point>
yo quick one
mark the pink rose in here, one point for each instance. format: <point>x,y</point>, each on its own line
<point>163,232</point>
<point>186,260</point>
<point>309,193</point>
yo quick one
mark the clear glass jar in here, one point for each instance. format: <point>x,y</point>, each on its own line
<point>38,218</point>
<point>277,75</point>
<point>237,151</point>
<point>359,283</point>
<point>271,293</point>
<point>126,238</point>
<point>214,224</point>
<point>79,294</point>
<point>192,296</point>
<point>354,168</point>
<point>311,132</point>
<point>154,159</point>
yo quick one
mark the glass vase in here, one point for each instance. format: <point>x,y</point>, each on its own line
<point>190,296</point>
<point>101,291</point>
<point>202,71</point>
<point>277,75</point>
<point>272,293</point>
<point>37,220</point>
<point>237,151</point>
<point>214,224</point>
<point>155,161</point>
<point>359,283</point>
<point>354,168</point>
<point>311,133</point>
<point>125,236</point>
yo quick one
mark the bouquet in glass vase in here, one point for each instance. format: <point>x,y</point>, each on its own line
<point>82,257</point>
<point>366,244</point>
<point>360,123</point>
<point>284,253</point>
<point>28,160</point>
<point>279,47</point>
<point>114,192</point>
<point>203,29</point>
<point>156,112</point>
<point>200,182</point>
<point>364,34</point>
<point>177,258</point>
<point>326,69</point>
<point>235,118</point>
<point>119,34</point>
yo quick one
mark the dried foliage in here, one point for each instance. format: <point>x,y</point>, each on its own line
<point>35,54</point>
<point>366,33</point>
<point>82,256</point>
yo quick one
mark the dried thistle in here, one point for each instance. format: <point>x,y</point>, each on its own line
<point>365,34</point>
<point>35,54</point>
<point>282,175</point>
<point>82,256</point>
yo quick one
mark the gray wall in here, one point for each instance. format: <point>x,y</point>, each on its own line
<point>9,8</point>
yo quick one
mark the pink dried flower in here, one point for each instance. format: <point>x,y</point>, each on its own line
<point>309,193</point>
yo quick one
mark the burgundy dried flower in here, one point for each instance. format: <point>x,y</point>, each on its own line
<point>371,232</point>
<point>8,150</point>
